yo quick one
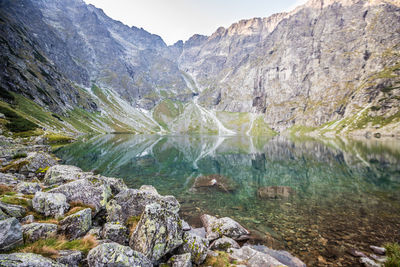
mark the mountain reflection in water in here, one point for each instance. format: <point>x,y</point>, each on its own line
<point>316,198</point>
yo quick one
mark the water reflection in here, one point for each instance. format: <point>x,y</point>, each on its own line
<point>313,197</point>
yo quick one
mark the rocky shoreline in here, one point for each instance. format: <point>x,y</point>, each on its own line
<point>59,215</point>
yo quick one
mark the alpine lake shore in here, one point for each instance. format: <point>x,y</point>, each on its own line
<point>59,215</point>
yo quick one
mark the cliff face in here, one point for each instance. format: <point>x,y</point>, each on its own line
<point>322,62</point>
<point>328,64</point>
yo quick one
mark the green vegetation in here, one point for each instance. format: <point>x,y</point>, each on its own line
<point>222,260</point>
<point>166,111</point>
<point>393,255</point>
<point>16,122</point>
<point>15,200</point>
<point>19,155</point>
<point>54,138</point>
<point>4,94</point>
<point>132,222</point>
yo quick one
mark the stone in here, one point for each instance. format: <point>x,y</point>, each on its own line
<point>281,255</point>
<point>10,234</point>
<point>186,226</point>
<point>117,185</point>
<point>50,204</point>
<point>254,258</point>
<point>12,210</point>
<point>28,188</point>
<point>28,219</point>
<point>199,231</point>
<point>275,192</point>
<point>85,191</point>
<point>70,257</point>
<point>115,232</point>
<point>27,260</point>
<point>222,183</point>
<point>216,228</point>
<point>158,232</point>
<point>3,215</point>
<point>8,179</point>
<point>76,224</point>
<point>367,262</point>
<point>114,254</point>
<point>60,174</point>
<point>36,231</point>
<point>224,243</point>
<point>356,253</point>
<point>95,231</point>
<point>378,250</point>
<point>34,162</point>
<point>196,246</point>
<point>132,202</point>
<point>182,260</point>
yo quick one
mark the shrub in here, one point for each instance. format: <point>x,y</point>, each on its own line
<point>393,254</point>
<point>19,155</point>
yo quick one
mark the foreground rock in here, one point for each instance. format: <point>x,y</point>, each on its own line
<point>158,232</point>
<point>11,210</point>
<point>10,234</point>
<point>216,228</point>
<point>182,260</point>
<point>115,232</point>
<point>26,260</point>
<point>224,243</point>
<point>28,188</point>
<point>70,257</point>
<point>281,255</point>
<point>34,162</point>
<point>89,192</point>
<point>132,202</point>
<point>196,246</point>
<point>60,174</point>
<point>50,204</point>
<point>77,224</point>
<point>254,258</point>
<point>113,254</point>
<point>36,231</point>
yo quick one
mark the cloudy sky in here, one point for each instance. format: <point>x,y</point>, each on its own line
<point>177,20</point>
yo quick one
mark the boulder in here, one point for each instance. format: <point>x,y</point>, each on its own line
<point>275,192</point>
<point>8,179</point>
<point>367,262</point>
<point>220,182</point>
<point>114,254</point>
<point>116,184</point>
<point>378,250</point>
<point>95,231</point>
<point>199,231</point>
<point>34,162</point>
<point>60,174</point>
<point>50,204</point>
<point>281,255</point>
<point>115,232</point>
<point>28,188</point>
<point>3,215</point>
<point>10,234</point>
<point>196,246</point>
<point>85,191</point>
<point>12,210</point>
<point>77,224</point>
<point>186,226</point>
<point>70,257</point>
<point>131,202</point>
<point>27,260</point>
<point>182,260</point>
<point>158,232</point>
<point>28,219</point>
<point>224,243</point>
<point>254,258</point>
<point>216,228</point>
<point>35,231</point>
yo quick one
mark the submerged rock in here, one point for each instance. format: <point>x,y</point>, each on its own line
<point>28,188</point>
<point>216,228</point>
<point>254,258</point>
<point>218,181</point>
<point>27,260</point>
<point>77,224</point>
<point>115,232</point>
<point>50,204</point>
<point>113,254</point>
<point>36,231</point>
<point>196,246</point>
<point>12,210</point>
<point>182,260</point>
<point>158,232</point>
<point>132,202</point>
<point>275,192</point>
<point>10,234</point>
<point>224,243</point>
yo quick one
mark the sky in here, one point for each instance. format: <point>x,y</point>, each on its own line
<point>177,20</point>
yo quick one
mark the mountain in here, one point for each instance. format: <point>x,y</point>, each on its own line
<point>327,67</point>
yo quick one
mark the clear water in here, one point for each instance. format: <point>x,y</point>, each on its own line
<point>339,193</point>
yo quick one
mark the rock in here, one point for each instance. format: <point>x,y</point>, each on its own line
<point>115,232</point>
<point>182,260</point>
<point>28,188</point>
<point>95,231</point>
<point>356,253</point>
<point>254,258</point>
<point>77,224</point>
<point>220,182</point>
<point>91,193</point>
<point>199,231</point>
<point>36,231</point>
<point>132,202</point>
<point>114,254</point>
<point>186,226</point>
<point>117,185</point>
<point>60,174</point>
<point>50,204</point>
<point>27,260</point>
<point>3,215</point>
<point>196,246</point>
<point>378,250</point>
<point>158,232</point>
<point>34,162</point>
<point>275,192</point>
<point>224,244</point>
<point>367,262</point>
<point>380,259</point>
<point>12,210</point>
<point>8,179</point>
<point>70,257</point>
<point>223,227</point>
<point>281,255</point>
<point>10,234</point>
<point>28,219</point>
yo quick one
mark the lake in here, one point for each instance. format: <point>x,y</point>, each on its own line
<point>314,198</point>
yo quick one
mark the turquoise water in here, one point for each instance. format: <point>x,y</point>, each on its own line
<point>315,198</point>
